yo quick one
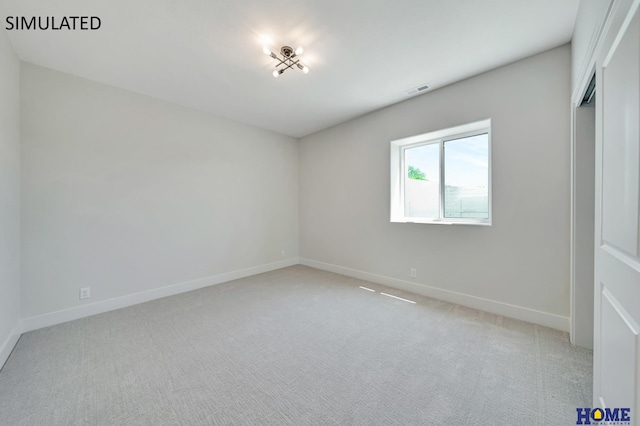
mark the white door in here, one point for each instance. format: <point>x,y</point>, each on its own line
<point>617,237</point>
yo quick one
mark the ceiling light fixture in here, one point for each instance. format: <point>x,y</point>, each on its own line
<point>288,59</point>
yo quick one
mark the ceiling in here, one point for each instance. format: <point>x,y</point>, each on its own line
<point>363,54</point>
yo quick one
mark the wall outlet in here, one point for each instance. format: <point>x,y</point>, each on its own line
<point>412,272</point>
<point>85,293</point>
<point>283,253</point>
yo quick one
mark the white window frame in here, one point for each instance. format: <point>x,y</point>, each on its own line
<point>398,174</point>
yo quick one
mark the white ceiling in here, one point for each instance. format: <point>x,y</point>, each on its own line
<point>363,54</point>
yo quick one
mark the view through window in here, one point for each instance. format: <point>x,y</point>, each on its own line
<point>443,176</point>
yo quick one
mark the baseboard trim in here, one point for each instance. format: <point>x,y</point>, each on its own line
<point>9,344</point>
<point>499,308</point>
<point>82,311</point>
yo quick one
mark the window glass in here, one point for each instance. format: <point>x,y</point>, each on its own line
<point>443,177</point>
<point>422,181</point>
<point>466,177</point>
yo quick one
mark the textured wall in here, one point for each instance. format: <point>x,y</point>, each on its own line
<point>124,193</point>
<point>9,195</point>
<point>591,14</point>
<point>523,259</point>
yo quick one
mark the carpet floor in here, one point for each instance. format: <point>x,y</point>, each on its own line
<point>296,346</point>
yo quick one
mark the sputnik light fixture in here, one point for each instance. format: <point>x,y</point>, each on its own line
<point>288,58</point>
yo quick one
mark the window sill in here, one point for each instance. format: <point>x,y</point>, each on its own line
<point>441,222</point>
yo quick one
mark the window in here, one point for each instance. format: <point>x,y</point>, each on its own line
<point>443,176</point>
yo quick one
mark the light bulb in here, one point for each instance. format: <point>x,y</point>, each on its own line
<point>266,50</point>
<point>276,73</point>
<point>305,69</point>
<point>299,51</point>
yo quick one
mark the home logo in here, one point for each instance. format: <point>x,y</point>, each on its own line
<point>613,416</point>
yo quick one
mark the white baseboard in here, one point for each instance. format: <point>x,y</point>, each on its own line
<point>512,311</point>
<point>499,308</point>
<point>9,344</point>
<point>77,312</point>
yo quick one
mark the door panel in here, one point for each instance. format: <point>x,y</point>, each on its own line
<point>619,352</point>
<point>620,147</point>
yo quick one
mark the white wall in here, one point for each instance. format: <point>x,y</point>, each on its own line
<point>584,178</point>
<point>522,260</point>
<point>587,30</point>
<point>9,197</point>
<point>589,21</point>
<point>125,194</point>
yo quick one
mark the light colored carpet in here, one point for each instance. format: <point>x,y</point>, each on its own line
<point>297,346</point>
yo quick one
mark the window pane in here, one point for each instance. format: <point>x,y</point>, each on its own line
<point>422,181</point>
<point>466,177</point>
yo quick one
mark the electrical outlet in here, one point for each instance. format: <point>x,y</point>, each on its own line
<point>412,272</point>
<point>283,253</point>
<point>85,293</point>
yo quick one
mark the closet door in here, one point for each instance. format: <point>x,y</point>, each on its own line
<point>617,215</point>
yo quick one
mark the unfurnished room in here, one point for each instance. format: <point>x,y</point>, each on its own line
<point>305,212</point>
